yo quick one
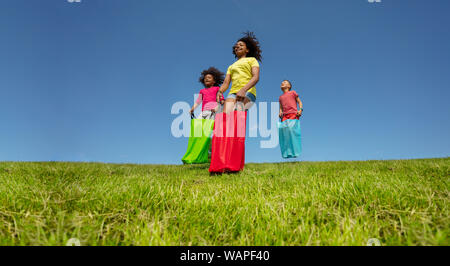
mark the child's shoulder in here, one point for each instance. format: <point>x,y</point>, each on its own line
<point>203,91</point>
<point>251,59</point>
<point>245,60</point>
<point>210,89</point>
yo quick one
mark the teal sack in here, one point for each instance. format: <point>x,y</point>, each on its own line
<point>290,138</point>
<point>199,141</point>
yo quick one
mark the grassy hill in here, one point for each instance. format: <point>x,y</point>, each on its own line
<point>399,202</point>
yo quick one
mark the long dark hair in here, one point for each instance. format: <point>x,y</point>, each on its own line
<point>218,76</point>
<point>254,49</point>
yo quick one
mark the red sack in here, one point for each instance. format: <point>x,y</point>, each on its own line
<point>228,142</point>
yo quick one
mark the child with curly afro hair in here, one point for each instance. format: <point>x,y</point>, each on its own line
<point>243,74</point>
<point>211,78</point>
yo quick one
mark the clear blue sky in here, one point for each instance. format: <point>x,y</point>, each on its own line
<point>95,81</point>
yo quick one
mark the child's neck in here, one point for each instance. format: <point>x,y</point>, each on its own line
<point>244,56</point>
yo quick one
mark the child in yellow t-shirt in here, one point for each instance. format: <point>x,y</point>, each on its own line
<point>243,74</point>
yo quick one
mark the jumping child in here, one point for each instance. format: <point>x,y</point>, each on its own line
<point>243,74</point>
<point>211,78</point>
<point>288,102</point>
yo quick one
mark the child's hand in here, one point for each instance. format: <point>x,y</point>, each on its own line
<point>280,115</point>
<point>219,95</point>
<point>240,95</point>
<point>299,113</point>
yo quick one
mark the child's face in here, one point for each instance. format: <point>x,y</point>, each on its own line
<point>240,49</point>
<point>285,86</point>
<point>209,80</point>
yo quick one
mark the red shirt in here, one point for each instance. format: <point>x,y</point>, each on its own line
<point>288,102</point>
<point>208,98</point>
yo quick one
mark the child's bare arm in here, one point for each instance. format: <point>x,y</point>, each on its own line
<point>220,99</point>
<point>251,83</point>
<point>300,104</point>
<point>194,107</point>
<point>280,114</point>
<point>224,87</point>
<point>197,103</point>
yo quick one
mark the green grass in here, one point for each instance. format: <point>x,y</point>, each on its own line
<point>400,202</point>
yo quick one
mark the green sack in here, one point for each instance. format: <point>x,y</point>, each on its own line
<point>199,141</point>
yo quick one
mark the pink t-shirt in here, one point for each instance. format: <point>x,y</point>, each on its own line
<point>288,102</point>
<point>208,98</point>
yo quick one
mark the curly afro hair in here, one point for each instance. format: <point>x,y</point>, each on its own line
<point>252,45</point>
<point>218,76</point>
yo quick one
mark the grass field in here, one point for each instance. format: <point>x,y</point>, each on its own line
<point>399,202</point>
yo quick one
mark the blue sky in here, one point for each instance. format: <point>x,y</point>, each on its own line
<point>96,80</point>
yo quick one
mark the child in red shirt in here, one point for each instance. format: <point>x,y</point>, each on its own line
<point>288,102</point>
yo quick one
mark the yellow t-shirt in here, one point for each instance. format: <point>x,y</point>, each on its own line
<point>241,73</point>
